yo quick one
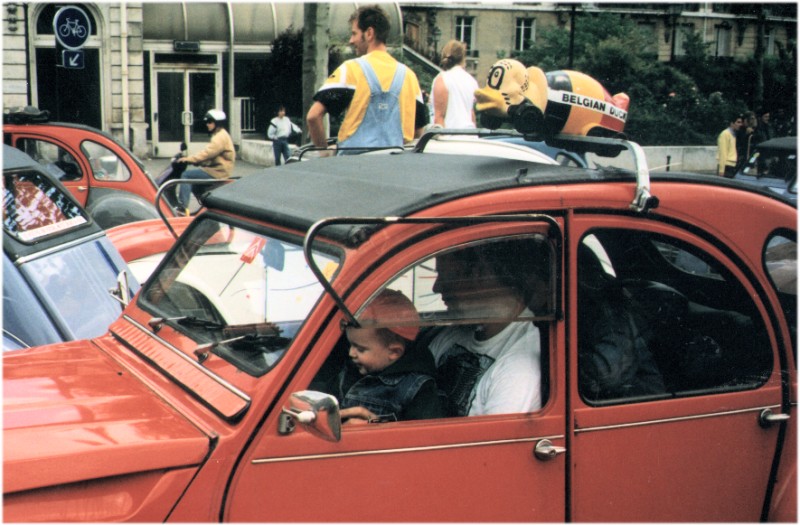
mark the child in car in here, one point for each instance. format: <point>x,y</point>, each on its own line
<point>387,378</point>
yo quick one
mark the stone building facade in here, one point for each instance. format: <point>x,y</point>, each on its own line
<point>151,69</point>
<point>495,30</point>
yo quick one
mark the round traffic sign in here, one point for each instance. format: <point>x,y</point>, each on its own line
<point>72,27</point>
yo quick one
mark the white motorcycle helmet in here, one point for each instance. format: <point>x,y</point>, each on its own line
<point>215,115</point>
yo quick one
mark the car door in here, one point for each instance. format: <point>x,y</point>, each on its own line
<point>697,444</point>
<point>506,467</point>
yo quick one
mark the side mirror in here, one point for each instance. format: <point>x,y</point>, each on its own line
<point>122,291</point>
<point>316,412</point>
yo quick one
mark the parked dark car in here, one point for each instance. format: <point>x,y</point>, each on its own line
<point>773,165</point>
<point>104,176</point>
<point>659,315</point>
<point>59,269</point>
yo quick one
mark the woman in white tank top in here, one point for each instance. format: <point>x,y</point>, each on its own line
<point>453,90</point>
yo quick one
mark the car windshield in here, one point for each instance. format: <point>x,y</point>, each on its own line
<point>242,294</point>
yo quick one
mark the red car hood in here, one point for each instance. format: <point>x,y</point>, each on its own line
<point>72,413</point>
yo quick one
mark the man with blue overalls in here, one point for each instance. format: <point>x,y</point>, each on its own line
<point>382,97</point>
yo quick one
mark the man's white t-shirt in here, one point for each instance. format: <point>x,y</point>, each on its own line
<point>501,375</point>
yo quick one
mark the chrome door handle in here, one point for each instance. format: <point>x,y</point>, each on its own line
<point>545,450</point>
<point>767,418</point>
<point>81,188</point>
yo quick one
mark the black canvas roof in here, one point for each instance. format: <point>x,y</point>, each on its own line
<point>779,145</point>
<point>375,185</point>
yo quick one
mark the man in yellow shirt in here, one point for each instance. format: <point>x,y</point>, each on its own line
<point>382,97</point>
<point>726,148</point>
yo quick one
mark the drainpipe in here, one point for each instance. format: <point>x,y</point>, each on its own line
<point>231,94</point>
<point>123,49</point>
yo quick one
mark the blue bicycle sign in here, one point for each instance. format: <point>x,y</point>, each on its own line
<point>72,27</point>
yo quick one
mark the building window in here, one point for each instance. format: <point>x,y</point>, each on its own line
<point>681,36</point>
<point>526,32</point>
<point>465,28</point>
<point>723,48</point>
<point>648,31</point>
<point>769,42</point>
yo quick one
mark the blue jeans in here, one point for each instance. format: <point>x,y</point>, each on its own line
<point>280,147</point>
<point>184,191</point>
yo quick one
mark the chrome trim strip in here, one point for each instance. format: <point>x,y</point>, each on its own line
<point>674,419</point>
<point>188,359</point>
<point>402,450</point>
<point>61,247</point>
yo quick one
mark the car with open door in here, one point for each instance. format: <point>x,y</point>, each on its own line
<point>105,177</point>
<point>660,346</point>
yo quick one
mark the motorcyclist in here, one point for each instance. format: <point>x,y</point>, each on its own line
<point>216,161</point>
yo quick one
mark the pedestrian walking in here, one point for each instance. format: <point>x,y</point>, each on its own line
<point>280,131</point>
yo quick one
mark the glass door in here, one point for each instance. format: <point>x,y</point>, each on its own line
<point>182,98</point>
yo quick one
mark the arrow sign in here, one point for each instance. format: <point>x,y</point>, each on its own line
<point>72,59</point>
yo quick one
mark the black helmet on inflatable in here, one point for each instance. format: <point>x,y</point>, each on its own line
<point>217,116</point>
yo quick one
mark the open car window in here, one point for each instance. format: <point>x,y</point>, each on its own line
<point>527,262</point>
<point>476,319</point>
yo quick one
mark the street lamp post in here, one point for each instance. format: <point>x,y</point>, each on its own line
<point>673,12</point>
<point>434,37</point>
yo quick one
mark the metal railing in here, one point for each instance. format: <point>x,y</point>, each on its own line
<point>248,114</point>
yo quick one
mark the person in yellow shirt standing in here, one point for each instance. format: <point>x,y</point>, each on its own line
<point>726,148</point>
<point>382,97</point>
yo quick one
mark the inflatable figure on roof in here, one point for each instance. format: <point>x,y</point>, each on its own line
<point>546,104</point>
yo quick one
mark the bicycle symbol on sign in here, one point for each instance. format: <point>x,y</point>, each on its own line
<point>72,27</point>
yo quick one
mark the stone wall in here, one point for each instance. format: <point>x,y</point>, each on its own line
<point>15,77</point>
<point>680,158</point>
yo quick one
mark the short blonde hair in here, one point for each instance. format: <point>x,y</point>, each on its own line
<point>453,53</point>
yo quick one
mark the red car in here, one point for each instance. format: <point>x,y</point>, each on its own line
<point>660,339</point>
<point>104,176</point>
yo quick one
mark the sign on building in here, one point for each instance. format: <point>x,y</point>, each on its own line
<point>72,27</point>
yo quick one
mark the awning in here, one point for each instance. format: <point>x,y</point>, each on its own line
<point>253,23</point>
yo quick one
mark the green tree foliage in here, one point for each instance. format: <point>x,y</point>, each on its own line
<point>685,102</point>
<point>285,81</point>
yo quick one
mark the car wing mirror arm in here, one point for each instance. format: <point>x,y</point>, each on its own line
<point>121,292</point>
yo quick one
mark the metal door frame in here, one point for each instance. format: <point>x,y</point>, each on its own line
<point>168,148</point>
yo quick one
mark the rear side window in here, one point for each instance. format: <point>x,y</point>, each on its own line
<point>780,261</point>
<point>106,165</point>
<point>34,207</point>
<point>670,322</point>
<point>56,160</point>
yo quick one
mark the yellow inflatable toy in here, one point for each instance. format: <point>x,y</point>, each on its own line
<point>547,104</point>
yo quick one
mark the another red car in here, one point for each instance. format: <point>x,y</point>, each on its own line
<point>665,314</point>
<point>104,176</point>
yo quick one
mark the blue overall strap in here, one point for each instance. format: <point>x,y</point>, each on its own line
<point>373,82</point>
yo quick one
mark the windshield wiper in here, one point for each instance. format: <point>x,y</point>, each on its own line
<point>202,351</point>
<point>258,336</point>
<point>187,320</point>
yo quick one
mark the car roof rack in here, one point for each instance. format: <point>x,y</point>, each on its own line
<point>25,115</point>
<point>602,146</point>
